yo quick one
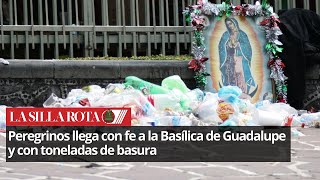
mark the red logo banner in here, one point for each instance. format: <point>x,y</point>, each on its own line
<point>68,116</point>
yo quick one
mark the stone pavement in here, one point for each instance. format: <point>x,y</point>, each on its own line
<point>305,164</point>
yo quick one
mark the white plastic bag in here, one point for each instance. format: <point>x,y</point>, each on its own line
<point>2,118</point>
<point>207,109</point>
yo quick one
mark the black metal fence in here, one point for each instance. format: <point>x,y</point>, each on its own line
<point>53,29</point>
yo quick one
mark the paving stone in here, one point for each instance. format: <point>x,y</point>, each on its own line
<point>304,165</point>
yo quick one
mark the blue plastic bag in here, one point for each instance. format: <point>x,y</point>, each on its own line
<point>230,94</point>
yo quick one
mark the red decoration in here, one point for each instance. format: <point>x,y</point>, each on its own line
<point>264,22</point>
<point>272,21</point>
<point>151,99</point>
<point>238,7</point>
<point>200,1</point>
<point>194,64</point>
<point>279,63</point>
<point>202,60</point>
<point>84,102</point>
<point>198,23</point>
<point>312,110</point>
<point>244,9</point>
<point>282,100</point>
<point>270,62</point>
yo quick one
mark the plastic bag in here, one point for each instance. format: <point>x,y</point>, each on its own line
<point>115,88</point>
<point>269,118</point>
<point>145,86</point>
<point>281,108</point>
<point>3,118</point>
<point>207,109</point>
<point>228,122</point>
<point>230,94</point>
<point>246,107</point>
<point>165,102</point>
<point>112,100</point>
<point>226,110</point>
<point>173,121</point>
<point>175,82</point>
<point>274,114</point>
<point>310,119</point>
<point>144,121</point>
<point>192,99</point>
<point>142,102</point>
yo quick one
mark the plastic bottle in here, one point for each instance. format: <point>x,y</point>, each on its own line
<point>146,106</point>
<point>114,88</point>
<point>53,101</point>
<point>165,101</point>
<point>111,100</point>
<point>92,88</point>
<point>144,86</point>
<point>95,92</point>
<point>192,99</point>
<point>66,102</point>
<point>175,82</point>
<point>173,121</point>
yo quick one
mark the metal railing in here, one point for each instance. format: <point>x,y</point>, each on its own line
<point>47,29</point>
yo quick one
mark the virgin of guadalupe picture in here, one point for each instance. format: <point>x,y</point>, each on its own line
<point>235,47</point>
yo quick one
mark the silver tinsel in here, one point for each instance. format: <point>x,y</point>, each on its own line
<point>273,73</point>
<point>209,9</point>
<point>281,76</point>
<point>198,51</point>
<point>272,35</point>
<point>251,10</point>
<point>277,72</point>
<point>193,15</point>
<point>277,31</point>
<point>273,38</point>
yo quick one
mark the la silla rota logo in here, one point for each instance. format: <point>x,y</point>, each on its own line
<point>68,116</point>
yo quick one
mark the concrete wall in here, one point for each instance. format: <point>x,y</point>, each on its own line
<point>30,82</point>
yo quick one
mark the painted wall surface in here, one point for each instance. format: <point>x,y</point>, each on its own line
<point>235,47</point>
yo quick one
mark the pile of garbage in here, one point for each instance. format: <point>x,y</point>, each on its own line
<point>173,104</point>
<point>2,118</point>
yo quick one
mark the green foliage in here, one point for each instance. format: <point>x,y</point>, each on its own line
<point>154,57</point>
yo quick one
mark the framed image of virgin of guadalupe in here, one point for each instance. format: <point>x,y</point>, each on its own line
<point>237,56</point>
<point>237,46</point>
